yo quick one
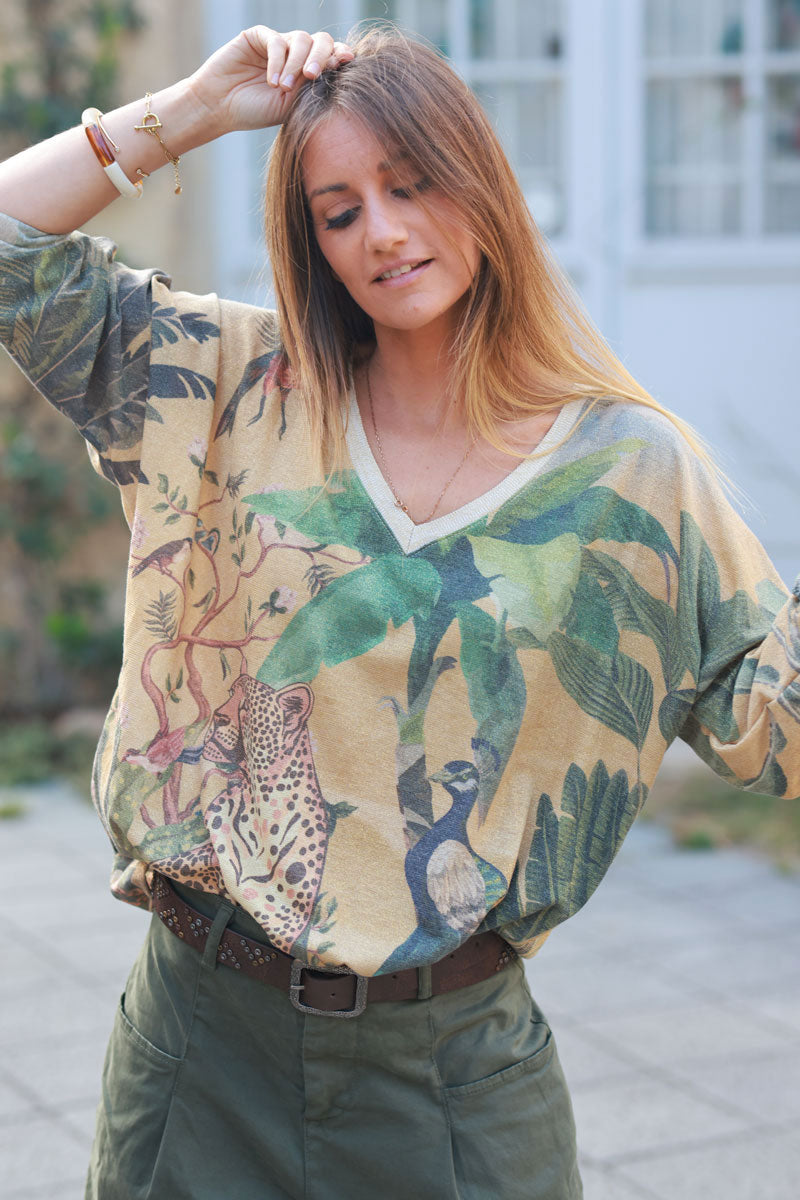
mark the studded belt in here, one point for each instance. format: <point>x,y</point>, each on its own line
<point>336,991</point>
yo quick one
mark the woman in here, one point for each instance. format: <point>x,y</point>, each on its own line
<point>421,586</point>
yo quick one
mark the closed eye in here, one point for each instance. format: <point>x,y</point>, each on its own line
<point>343,219</point>
<point>405,193</point>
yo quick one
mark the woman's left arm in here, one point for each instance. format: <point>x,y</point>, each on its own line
<point>740,630</point>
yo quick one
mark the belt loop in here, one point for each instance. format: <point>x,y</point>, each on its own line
<point>221,918</point>
<point>424,983</point>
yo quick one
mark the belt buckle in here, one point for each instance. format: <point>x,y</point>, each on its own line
<point>296,986</point>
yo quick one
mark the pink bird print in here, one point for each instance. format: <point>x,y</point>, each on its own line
<point>160,754</point>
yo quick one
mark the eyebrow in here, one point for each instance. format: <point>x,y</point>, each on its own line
<point>342,187</point>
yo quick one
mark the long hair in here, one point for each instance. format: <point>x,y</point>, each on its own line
<point>524,343</point>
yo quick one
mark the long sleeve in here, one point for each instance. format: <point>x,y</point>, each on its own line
<point>79,326</point>
<point>734,693</point>
<point>745,648</point>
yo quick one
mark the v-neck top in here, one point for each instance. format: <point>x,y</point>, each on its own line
<point>376,737</point>
<point>412,536</point>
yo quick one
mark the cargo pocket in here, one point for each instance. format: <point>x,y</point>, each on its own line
<point>137,1087</point>
<point>513,1132</point>
<point>137,1090</point>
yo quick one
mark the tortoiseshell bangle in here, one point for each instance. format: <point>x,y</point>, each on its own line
<point>104,150</point>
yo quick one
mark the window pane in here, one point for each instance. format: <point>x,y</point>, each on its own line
<point>482,28</point>
<point>297,14</point>
<point>694,121</point>
<point>784,24</point>
<point>528,118</point>
<point>517,28</point>
<point>782,197</point>
<point>674,28</point>
<point>539,30</point>
<point>693,156</point>
<point>783,118</point>
<point>376,9</point>
<point>427,17</point>
<point>430,19</point>
<point>693,210</point>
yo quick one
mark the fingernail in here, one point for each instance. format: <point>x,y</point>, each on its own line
<point>313,68</point>
<point>275,79</point>
<point>288,82</point>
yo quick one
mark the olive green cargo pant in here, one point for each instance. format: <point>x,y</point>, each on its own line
<point>216,1088</point>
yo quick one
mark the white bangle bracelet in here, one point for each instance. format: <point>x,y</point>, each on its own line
<point>131,191</point>
<point>104,149</point>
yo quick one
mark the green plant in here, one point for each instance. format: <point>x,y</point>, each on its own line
<point>25,753</point>
<point>83,637</point>
<point>65,646</point>
<point>46,503</point>
<point>696,839</point>
<point>58,646</point>
<point>11,809</point>
<point>72,53</point>
<point>702,813</point>
<point>72,760</point>
<point>31,753</point>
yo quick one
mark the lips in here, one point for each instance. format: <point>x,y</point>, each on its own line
<point>400,269</point>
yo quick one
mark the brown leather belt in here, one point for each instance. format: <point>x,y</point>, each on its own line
<point>336,991</point>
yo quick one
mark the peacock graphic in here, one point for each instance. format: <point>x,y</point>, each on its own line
<point>452,887</point>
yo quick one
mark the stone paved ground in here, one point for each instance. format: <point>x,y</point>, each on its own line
<point>674,996</point>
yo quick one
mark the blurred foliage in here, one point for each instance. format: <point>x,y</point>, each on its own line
<point>702,813</point>
<point>64,648</point>
<point>72,53</point>
<point>46,503</point>
<point>30,753</point>
<point>69,648</point>
<point>85,644</point>
<point>25,753</point>
<point>11,809</point>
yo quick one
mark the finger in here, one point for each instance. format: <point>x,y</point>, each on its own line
<point>318,55</point>
<point>299,46</point>
<point>342,53</point>
<point>277,50</point>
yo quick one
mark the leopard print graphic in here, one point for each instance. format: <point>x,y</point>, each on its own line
<point>197,867</point>
<point>269,825</point>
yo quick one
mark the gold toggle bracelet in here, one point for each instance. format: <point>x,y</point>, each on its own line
<point>151,124</point>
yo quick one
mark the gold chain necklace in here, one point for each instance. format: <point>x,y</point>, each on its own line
<point>398,502</point>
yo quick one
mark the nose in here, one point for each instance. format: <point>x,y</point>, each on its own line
<point>384,226</point>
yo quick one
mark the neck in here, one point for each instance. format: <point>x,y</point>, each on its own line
<point>410,377</point>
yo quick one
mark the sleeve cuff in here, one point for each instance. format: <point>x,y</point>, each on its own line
<point>17,233</point>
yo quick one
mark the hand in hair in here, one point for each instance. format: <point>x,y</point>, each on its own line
<point>251,82</point>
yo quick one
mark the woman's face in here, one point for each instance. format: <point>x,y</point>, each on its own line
<point>368,222</point>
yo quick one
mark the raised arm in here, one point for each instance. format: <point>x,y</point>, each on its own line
<point>250,83</point>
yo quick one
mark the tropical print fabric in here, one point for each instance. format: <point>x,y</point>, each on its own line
<point>377,745</point>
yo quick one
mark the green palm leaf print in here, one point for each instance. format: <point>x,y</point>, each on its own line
<point>350,616</point>
<point>559,486</point>
<point>617,691</point>
<point>346,517</point>
<point>535,585</point>
<point>570,852</point>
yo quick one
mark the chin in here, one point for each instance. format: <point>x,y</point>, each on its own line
<point>409,322</point>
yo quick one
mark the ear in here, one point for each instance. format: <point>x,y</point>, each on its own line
<point>296,702</point>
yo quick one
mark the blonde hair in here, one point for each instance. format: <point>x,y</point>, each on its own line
<point>524,344</point>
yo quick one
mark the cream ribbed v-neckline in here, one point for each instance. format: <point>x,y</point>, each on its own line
<point>411,537</point>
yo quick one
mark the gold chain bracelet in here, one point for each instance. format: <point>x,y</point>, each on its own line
<point>151,124</point>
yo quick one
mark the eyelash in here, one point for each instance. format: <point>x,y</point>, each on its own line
<point>346,218</point>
